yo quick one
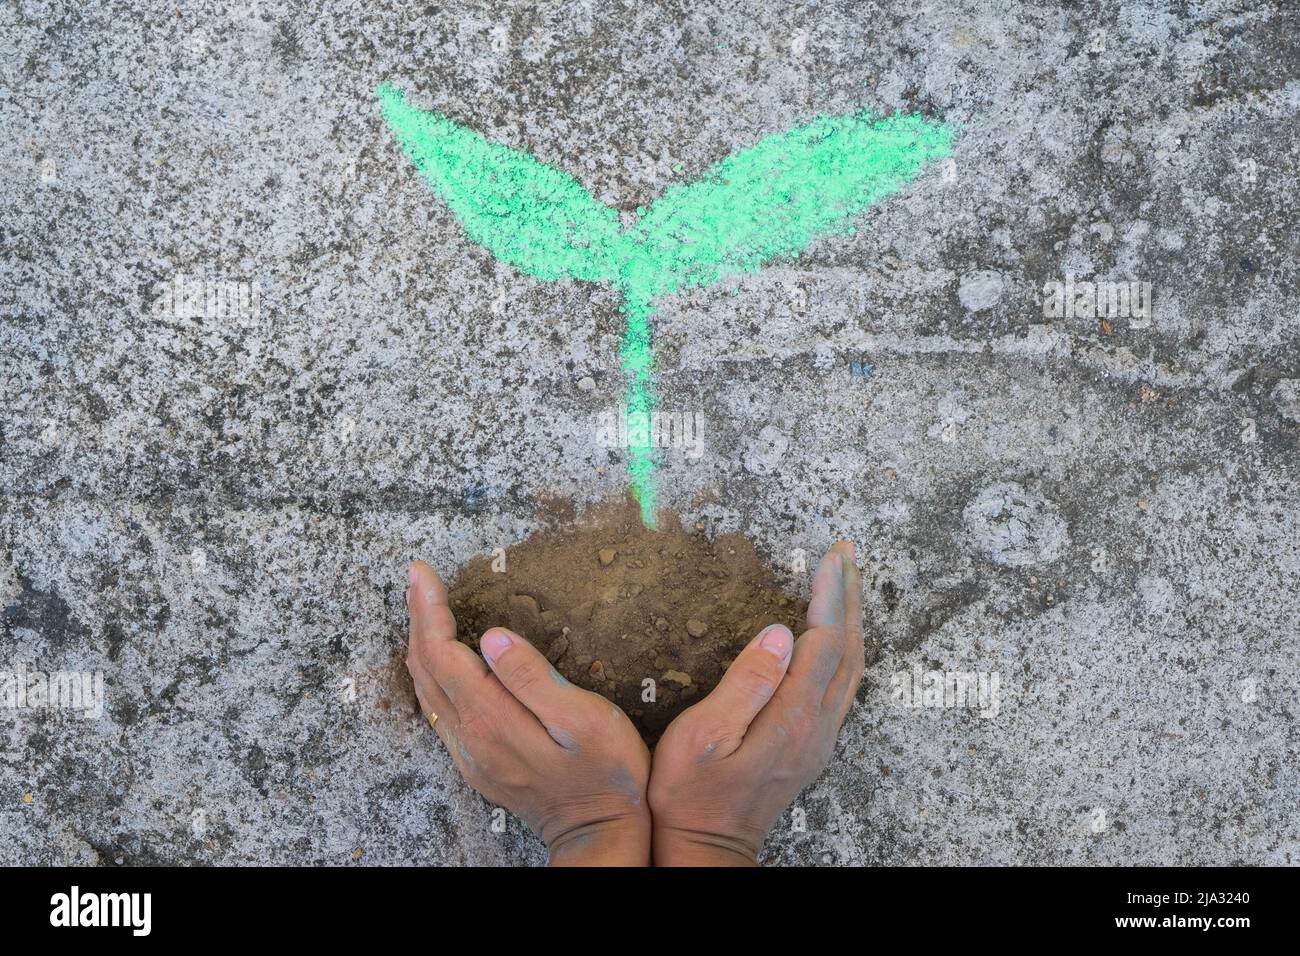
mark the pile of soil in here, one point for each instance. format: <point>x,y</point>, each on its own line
<point>612,603</point>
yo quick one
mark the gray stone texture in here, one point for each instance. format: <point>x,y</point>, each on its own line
<point>216,511</point>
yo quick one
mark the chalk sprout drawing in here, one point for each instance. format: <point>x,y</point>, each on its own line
<point>762,203</point>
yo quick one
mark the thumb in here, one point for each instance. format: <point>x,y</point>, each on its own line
<point>528,675</point>
<point>748,684</point>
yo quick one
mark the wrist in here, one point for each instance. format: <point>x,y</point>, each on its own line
<point>673,846</point>
<point>624,841</point>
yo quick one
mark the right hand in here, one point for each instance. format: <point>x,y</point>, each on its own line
<point>727,767</point>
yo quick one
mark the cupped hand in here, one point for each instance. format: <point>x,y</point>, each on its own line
<point>566,761</point>
<point>727,767</point>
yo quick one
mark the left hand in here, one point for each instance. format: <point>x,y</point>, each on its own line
<point>566,761</point>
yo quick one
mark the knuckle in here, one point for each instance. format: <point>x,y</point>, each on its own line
<point>521,676</point>
<point>757,682</point>
<point>705,738</point>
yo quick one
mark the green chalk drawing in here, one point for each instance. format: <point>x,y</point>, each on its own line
<point>762,203</point>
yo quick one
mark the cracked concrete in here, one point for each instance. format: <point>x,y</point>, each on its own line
<point>214,507</point>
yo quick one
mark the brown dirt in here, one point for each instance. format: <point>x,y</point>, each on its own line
<point>611,604</point>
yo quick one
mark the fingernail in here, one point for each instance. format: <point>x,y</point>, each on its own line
<point>777,640</point>
<point>494,644</point>
<point>853,551</point>
<point>410,574</point>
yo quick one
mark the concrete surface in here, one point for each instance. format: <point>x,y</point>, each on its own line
<point>215,510</point>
